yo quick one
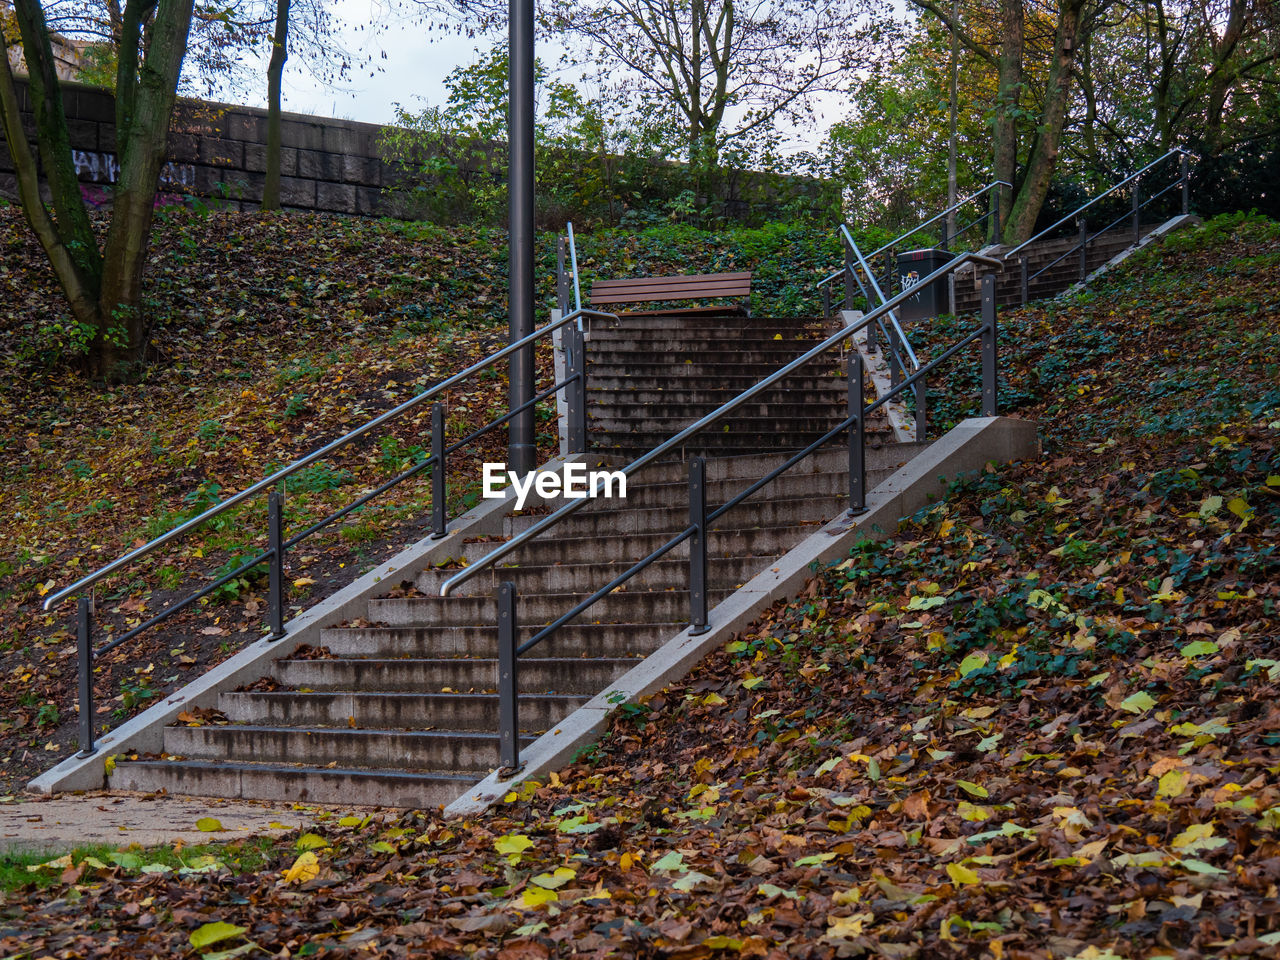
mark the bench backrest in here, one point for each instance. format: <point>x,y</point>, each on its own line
<point>651,289</point>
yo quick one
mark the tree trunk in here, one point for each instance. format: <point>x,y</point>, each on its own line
<point>1009,90</point>
<point>275,72</point>
<point>1044,154</point>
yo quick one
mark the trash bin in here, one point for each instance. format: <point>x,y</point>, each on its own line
<point>928,301</point>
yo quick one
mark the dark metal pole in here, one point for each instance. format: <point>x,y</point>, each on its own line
<point>522,448</point>
<point>1137,213</point>
<point>508,668</point>
<point>826,302</point>
<point>990,347</point>
<point>1084,248</point>
<point>439,474</point>
<point>84,661</point>
<point>1184,174</point>
<point>576,368</point>
<point>921,391</point>
<point>275,543</point>
<point>995,214</point>
<point>857,450</point>
<point>698,547</point>
<point>564,289</point>
<point>1026,282</point>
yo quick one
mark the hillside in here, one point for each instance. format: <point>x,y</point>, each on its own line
<point>1040,722</point>
<point>273,336</point>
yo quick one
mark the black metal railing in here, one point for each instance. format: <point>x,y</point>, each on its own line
<point>278,545</point>
<point>700,517</point>
<point>889,250</point>
<point>1137,203</point>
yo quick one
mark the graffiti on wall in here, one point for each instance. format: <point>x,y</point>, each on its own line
<point>97,167</point>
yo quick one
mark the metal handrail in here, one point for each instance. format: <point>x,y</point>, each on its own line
<point>321,453</point>
<point>1176,151</point>
<point>934,219</point>
<point>573,257</point>
<point>681,437</point>
<point>875,285</point>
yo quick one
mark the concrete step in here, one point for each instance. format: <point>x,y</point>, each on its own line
<point>765,513</point>
<point>707,321</point>
<point>744,428</point>
<point>773,354</point>
<point>696,403</point>
<point>453,751</point>
<point>481,640</point>
<point>291,783</point>
<point>619,607</point>
<point>641,343</point>
<point>829,483</point>
<point>386,709</point>
<point>537,675</point>
<point>634,443</point>
<point>681,377</point>
<point>584,578</point>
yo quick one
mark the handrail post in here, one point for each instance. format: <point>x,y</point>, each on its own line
<point>577,399</point>
<point>1026,281</point>
<point>1137,211</point>
<point>995,214</point>
<point>698,547</point>
<point>439,474</point>
<point>990,346</point>
<point>84,660</point>
<point>1184,174</point>
<point>275,543</point>
<point>857,447</point>
<point>563,282</point>
<point>1084,252</point>
<point>826,302</point>
<point>508,674</point>
<point>921,391</point>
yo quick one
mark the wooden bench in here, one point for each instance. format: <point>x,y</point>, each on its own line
<point>712,286</point>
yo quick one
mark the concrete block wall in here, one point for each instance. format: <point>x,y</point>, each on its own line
<point>218,151</point>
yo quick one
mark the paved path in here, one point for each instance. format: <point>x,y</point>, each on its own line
<point>58,824</point>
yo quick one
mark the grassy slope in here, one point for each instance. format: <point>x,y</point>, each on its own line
<point>274,335</point>
<point>1042,721</point>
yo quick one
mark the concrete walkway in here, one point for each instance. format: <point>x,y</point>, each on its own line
<point>59,824</point>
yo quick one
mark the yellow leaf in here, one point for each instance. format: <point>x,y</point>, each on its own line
<point>962,875</point>
<point>306,867</point>
<point>846,928</point>
<point>109,765</point>
<point>1172,784</point>
<point>972,788</point>
<point>713,700</point>
<point>209,825</point>
<point>512,843</point>
<point>553,881</point>
<point>303,582</point>
<point>537,896</point>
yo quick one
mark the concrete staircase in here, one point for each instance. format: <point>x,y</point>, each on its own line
<point>400,709</point>
<point>1050,283</point>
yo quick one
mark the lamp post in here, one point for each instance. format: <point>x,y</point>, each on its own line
<point>521,444</point>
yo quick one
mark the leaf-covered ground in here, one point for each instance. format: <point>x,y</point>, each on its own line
<point>273,335</point>
<point>1042,721</point>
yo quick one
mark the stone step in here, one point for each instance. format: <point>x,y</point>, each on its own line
<point>743,428</point>
<point>681,377</point>
<point>766,513</point>
<point>583,578</point>
<point>799,484</point>
<point>387,709</point>
<point>537,675</point>
<point>618,607</point>
<point>617,640</point>
<point>453,751</point>
<point>295,783</point>
<point>697,403</point>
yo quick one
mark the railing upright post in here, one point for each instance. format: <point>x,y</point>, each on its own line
<point>857,449</point>
<point>698,547</point>
<point>84,660</point>
<point>439,474</point>
<point>921,391</point>
<point>1184,174</point>
<point>508,676</point>
<point>1084,248</point>
<point>275,543</point>
<point>564,283</point>
<point>826,302</point>
<point>1137,211</point>
<point>577,401</point>
<point>1026,281</point>
<point>990,347</point>
<point>995,214</point>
